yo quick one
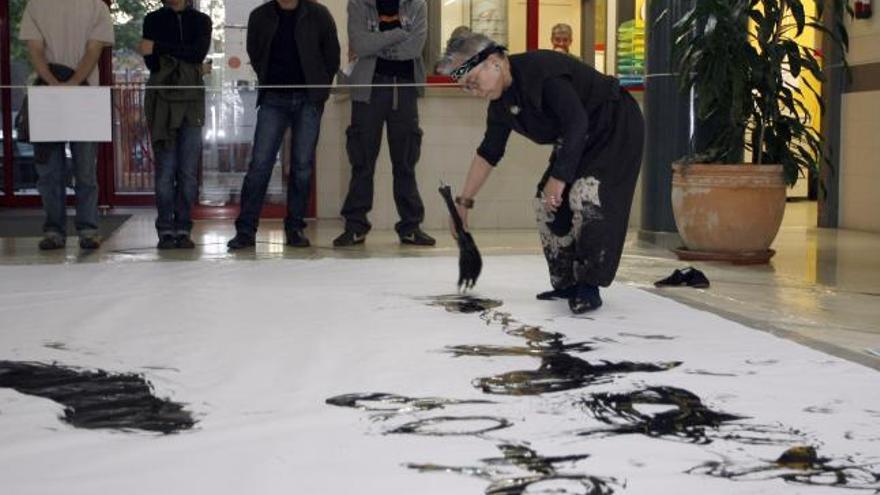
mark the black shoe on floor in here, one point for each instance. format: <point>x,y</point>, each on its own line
<point>586,298</point>
<point>89,242</point>
<point>417,238</point>
<point>51,243</point>
<point>183,241</point>
<point>349,238</point>
<point>296,238</point>
<point>689,276</point>
<point>166,241</point>
<point>566,293</point>
<point>241,241</point>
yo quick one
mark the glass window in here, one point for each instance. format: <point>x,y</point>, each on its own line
<point>580,25</point>
<point>134,167</point>
<point>230,109</point>
<point>21,73</point>
<point>561,26</point>
<point>2,146</point>
<point>231,113</point>
<point>502,20</point>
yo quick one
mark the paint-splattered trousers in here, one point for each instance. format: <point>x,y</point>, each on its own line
<point>584,239</point>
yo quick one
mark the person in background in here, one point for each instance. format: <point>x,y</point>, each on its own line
<point>290,43</point>
<point>176,39</point>
<point>387,37</point>
<point>65,39</point>
<point>561,37</point>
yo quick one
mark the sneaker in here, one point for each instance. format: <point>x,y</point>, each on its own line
<point>241,241</point>
<point>689,276</point>
<point>566,293</point>
<point>349,238</point>
<point>166,241</point>
<point>183,241</point>
<point>586,298</point>
<point>417,238</point>
<point>296,238</point>
<point>89,242</point>
<point>50,243</point>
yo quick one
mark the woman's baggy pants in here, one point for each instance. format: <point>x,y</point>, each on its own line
<point>583,240</point>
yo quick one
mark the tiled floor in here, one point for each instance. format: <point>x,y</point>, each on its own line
<point>822,289</point>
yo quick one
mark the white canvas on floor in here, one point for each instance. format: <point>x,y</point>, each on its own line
<point>254,349</point>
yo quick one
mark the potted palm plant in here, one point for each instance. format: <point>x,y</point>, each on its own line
<point>742,61</point>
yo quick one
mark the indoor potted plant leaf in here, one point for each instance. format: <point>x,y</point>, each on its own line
<point>744,63</point>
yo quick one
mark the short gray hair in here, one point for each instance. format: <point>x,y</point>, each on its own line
<point>460,48</point>
<point>562,28</point>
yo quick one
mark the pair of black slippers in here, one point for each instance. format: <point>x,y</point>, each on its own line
<point>686,277</point>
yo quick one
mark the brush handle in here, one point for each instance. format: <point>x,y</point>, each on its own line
<point>446,192</point>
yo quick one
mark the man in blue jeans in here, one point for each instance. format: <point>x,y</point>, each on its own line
<point>69,36</point>
<point>176,39</point>
<point>290,43</point>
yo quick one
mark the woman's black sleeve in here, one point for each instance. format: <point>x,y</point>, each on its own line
<point>560,98</point>
<point>495,140</point>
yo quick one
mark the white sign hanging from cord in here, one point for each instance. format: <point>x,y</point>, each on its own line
<point>62,113</point>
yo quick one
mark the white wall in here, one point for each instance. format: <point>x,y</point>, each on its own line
<point>453,127</point>
<point>860,126</point>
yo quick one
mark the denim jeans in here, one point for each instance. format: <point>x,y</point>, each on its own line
<point>51,164</point>
<point>277,112</point>
<point>176,181</point>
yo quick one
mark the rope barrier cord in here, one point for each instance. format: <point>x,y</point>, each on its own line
<point>131,86</point>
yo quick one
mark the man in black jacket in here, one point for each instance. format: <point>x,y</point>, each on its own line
<point>184,34</point>
<point>290,43</point>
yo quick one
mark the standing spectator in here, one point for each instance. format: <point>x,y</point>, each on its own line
<point>65,39</point>
<point>387,37</point>
<point>175,42</point>
<point>290,43</point>
<point>561,36</point>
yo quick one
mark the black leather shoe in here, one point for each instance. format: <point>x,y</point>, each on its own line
<point>89,243</point>
<point>349,238</point>
<point>241,241</point>
<point>51,243</point>
<point>586,298</point>
<point>296,238</point>
<point>566,293</point>
<point>183,241</point>
<point>166,241</point>
<point>417,238</point>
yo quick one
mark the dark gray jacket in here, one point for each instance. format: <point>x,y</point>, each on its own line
<point>368,43</point>
<point>316,43</point>
<point>167,110</point>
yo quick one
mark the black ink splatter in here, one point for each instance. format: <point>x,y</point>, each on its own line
<point>97,399</point>
<point>465,304</point>
<point>686,417</point>
<point>559,372</point>
<point>382,402</point>
<point>521,470</point>
<point>800,465</point>
<point>429,426</point>
<point>646,337</point>
<point>532,351</point>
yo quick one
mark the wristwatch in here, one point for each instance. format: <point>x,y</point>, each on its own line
<point>466,203</point>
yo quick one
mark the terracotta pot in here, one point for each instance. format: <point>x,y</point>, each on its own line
<point>728,208</point>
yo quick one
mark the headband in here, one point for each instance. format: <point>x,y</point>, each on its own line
<point>476,60</point>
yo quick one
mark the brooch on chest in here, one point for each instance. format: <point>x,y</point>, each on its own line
<point>514,110</point>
